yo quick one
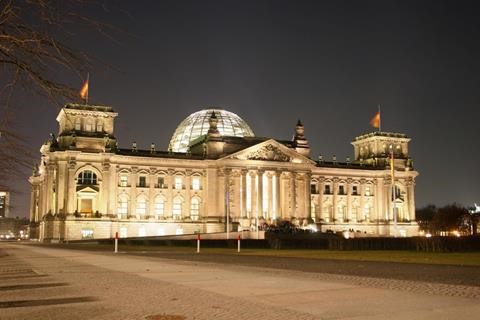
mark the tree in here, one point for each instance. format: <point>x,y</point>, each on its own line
<point>36,56</point>
<point>448,218</point>
<point>425,216</point>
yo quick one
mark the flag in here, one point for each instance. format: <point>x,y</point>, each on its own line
<point>375,122</point>
<point>84,90</point>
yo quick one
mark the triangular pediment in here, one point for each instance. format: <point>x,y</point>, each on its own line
<point>269,150</point>
<point>87,189</point>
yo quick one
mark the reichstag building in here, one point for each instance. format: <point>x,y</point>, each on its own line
<point>215,175</point>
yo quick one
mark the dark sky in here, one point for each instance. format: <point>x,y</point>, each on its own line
<point>329,63</point>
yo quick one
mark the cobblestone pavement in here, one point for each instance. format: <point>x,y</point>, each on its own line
<point>42,283</point>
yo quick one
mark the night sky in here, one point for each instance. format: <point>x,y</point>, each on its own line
<point>328,63</point>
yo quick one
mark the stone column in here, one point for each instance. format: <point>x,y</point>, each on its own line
<point>188,194</point>
<point>243,195</point>
<point>321,188</point>
<point>260,193</point>
<point>335,196</point>
<point>221,195</point>
<point>253,194</point>
<point>169,198</point>
<point>308,195</point>
<point>270,195</point>
<point>71,190</point>
<point>349,200</point>
<point>133,192</point>
<point>293,195</point>
<point>104,192</point>
<point>361,189</point>
<point>151,191</point>
<point>278,194</point>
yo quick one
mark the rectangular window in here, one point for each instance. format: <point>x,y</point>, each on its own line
<point>177,209</point>
<point>88,126</point>
<point>123,181</point>
<point>195,211</point>
<point>161,182</point>
<point>355,190</point>
<point>367,191</point>
<point>327,189</point>
<point>142,181</point>
<point>178,183</point>
<point>313,188</point>
<point>196,183</point>
<point>99,127</point>
<point>341,189</point>
<point>87,234</point>
<point>159,208</point>
<point>123,206</point>
<point>78,125</point>
<point>123,232</point>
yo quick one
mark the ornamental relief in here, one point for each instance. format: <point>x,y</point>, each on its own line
<point>268,153</point>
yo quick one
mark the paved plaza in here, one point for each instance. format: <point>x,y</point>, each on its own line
<point>51,283</point>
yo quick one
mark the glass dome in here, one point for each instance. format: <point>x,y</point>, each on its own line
<point>196,125</point>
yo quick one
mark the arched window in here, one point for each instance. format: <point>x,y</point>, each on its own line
<point>87,177</point>
<point>177,208</point>
<point>159,206</point>
<point>141,207</point>
<point>122,204</point>
<point>195,208</point>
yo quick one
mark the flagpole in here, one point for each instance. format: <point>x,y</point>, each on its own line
<point>394,213</point>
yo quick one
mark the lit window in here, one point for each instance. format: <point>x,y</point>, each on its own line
<point>177,208</point>
<point>87,234</point>
<point>89,126</point>
<point>87,177</point>
<point>195,209</point>
<point>99,126</point>
<point>142,181</point>
<point>123,204</point>
<point>355,190</point>
<point>78,124</point>
<point>368,191</point>
<point>196,183</point>
<point>123,181</point>
<point>159,206</point>
<point>161,182</point>
<point>178,183</point>
<point>123,232</point>
<point>141,206</point>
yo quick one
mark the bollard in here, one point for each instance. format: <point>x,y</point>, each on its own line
<point>238,239</point>
<point>116,242</point>
<point>198,243</point>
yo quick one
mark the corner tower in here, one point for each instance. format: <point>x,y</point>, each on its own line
<point>86,127</point>
<point>375,149</point>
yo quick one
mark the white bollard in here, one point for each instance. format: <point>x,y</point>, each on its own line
<point>238,239</point>
<point>116,242</point>
<point>198,243</point>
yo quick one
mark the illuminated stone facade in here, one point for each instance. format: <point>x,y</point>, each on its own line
<point>87,187</point>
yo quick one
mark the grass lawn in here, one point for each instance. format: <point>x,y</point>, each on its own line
<point>452,258</point>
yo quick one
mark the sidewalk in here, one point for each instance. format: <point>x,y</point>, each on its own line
<point>132,287</point>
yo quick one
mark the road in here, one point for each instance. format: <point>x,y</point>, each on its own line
<point>51,283</point>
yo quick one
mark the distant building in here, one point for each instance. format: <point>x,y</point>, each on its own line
<point>4,204</point>
<point>215,171</point>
